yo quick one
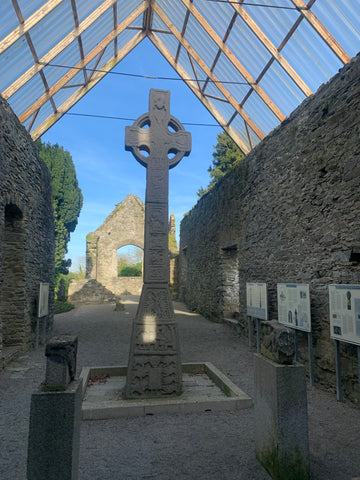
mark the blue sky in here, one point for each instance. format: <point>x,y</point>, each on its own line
<point>105,171</point>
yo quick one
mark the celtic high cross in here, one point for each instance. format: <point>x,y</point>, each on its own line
<point>158,141</point>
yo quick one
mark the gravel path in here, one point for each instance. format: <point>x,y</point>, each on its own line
<point>207,446</point>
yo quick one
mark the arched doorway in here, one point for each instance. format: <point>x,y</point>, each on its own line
<point>12,293</point>
<point>130,261</point>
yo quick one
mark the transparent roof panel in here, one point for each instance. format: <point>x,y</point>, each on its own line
<point>306,48</point>
<point>230,77</point>
<point>62,22</point>
<point>29,7</point>
<point>281,89</point>
<point>176,13</point>
<point>97,31</point>
<point>218,15</point>
<point>346,29</point>
<point>10,67</point>
<point>275,23</point>
<point>247,48</point>
<point>9,20</point>
<point>279,49</point>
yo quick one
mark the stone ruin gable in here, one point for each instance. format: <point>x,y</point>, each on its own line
<point>124,226</point>
<point>289,212</point>
<point>26,235</point>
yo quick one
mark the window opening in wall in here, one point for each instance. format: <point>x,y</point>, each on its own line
<point>12,293</point>
<point>229,278</point>
<point>130,261</point>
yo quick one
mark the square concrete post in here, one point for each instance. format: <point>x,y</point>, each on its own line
<point>281,419</point>
<point>55,416</point>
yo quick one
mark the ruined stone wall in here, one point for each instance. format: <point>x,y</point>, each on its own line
<point>290,212</point>
<point>26,233</point>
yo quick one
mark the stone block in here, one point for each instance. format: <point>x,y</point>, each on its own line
<point>54,434</point>
<point>281,419</point>
<point>277,342</point>
<point>61,362</point>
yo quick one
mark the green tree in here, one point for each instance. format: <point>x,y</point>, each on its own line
<point>67,199</point>
<point>134,270</point>
<point>226,155</point>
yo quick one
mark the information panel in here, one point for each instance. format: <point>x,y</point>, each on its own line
<point>344,303</point>
<point>256,300</point>
<point>294,305</point>
<point>43,307</point>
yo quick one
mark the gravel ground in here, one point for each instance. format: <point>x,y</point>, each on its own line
<point>207,446</point>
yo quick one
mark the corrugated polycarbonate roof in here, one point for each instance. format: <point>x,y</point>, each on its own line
<point>250,62</point>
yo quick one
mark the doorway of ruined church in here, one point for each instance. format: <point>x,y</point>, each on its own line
<point>129,270</point>
<point>229,279</point>
<point>129,261</point>
<point>12,292</point>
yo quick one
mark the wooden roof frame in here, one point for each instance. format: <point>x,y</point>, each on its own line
<point>146,10</point>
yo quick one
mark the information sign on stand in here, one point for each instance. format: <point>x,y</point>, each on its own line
<point>256,300</point>
<point>294,305</point>
<point>344,303</point>
<point>294,312</point>
<point>256,305</point>
<point>43,310</point>
<point>344,306</point>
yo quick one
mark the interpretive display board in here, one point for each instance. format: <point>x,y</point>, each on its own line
<point>294,305</point>
<point>256,300</point>
<point>43,307</point>
<point>344,303</point>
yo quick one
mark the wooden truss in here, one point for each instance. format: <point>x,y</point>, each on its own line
<point>140,23</point>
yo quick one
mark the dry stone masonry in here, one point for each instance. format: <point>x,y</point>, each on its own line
<point>26,236</point>
<point>289,212</point>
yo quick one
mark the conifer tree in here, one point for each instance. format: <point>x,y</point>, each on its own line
<point>67,199</point>
<point>225,156</point>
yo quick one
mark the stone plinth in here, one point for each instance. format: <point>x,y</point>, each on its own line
<point>54,434</point>
<point>281,419</point>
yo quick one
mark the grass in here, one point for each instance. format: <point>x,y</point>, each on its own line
<point>61,307</point>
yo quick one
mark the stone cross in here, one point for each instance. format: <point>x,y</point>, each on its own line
<point>158,141</point>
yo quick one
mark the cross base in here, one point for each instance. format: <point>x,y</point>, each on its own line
<point>155,366</point>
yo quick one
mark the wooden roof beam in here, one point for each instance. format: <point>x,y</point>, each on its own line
<point>236,63</point>
<point>227,33</point>
<point>271,48</point>
<point>191,84</point>
<point>78,95</point>
<point>49,56</point>
<point>35,18</point>
<point>207,71</point>
<point>76,22</point>
<point>33,51</point>
<point>322,31</point>
<point>187,15</point>
<point>87,59</point>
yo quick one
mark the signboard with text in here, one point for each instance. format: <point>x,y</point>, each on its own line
<point>256,300</point>
<point>294,305</point>
<point>43,306</point>
<point>344,305</point>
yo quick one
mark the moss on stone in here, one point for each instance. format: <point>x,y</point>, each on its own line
<point>284,467</point>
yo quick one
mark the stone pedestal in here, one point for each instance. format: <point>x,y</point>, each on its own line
<point>55,416</point>
<point>154,360</point>
<point>54,434</point>
<point>281,420</point>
